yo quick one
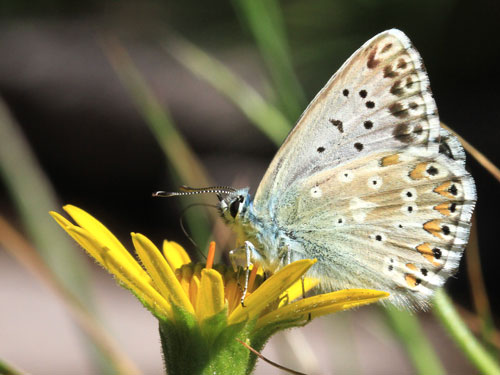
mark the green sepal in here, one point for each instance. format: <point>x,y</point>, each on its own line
<point>184,348</point>
<point>227,355</point>
<point>210,347</point>
<point>212,327</point>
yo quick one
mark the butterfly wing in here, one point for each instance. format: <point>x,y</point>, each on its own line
<point>367,182</point>
<point>379,99</point>
<point>389,221</point>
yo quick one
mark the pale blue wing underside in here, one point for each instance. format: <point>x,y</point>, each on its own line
<point>340,123</point>
<point>367,182</point>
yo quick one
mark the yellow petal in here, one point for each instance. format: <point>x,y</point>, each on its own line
<point>210,299</point>
<point>67,226</point>
<point>99,231</point>
<point>163,277</point>
<point>175,254</point>
<point>232,293</point>
<point>270,290</point>
<point>138,282</point>
<point>194,286</point>
<point>322,304</point>
<point>298,289</point>
<point>186,276</point>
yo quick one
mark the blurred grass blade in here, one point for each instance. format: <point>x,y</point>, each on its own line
<point>186,167</point>
<point>8,369</point>
<point>407,327</point>
<point>33,197</point>
<point>478,288</point>
<point>264,18</point>
<point>476,154</point>
<point>264,116</point>
<point>26,255</point>
<point>445,311</point>
<point>475,325</point>
<point>173,144</point>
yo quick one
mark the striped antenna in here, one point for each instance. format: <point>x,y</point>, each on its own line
<point>186,190</point>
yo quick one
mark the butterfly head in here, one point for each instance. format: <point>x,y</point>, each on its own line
<point>234,204</point>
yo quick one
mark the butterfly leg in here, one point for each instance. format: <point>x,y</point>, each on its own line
<point>243,257</point>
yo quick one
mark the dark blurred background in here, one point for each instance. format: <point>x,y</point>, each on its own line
<point>100,155</point>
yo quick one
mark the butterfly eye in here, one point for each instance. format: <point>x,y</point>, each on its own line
<point>235,206</point>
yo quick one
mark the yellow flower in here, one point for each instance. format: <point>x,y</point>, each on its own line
<point>181,293</point>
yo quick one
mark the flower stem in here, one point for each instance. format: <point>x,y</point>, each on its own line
<point>477,354</point>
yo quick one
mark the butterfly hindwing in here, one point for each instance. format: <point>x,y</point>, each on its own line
<point>388,221</point>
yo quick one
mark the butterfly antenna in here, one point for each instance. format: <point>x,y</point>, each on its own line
<point>183,228</point>
<point>186,190</point>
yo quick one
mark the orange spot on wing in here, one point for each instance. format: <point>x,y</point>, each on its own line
<point>426,251</point>
<point>443,190</point>
<point>443,208</point>
<point>433,228</point>
<point>418,172</point>
<point>389,160</point>
<point>411,280</point>
<point>411,266</point>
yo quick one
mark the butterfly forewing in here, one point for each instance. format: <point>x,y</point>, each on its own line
<point>379,99</point>
<point>368,184</point>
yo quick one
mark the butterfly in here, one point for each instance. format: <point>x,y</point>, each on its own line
<point>367,183</point>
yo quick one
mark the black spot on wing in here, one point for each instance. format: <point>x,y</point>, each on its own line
<point>409,83</point>
<point>386,48</point>
<point>398,110</point>
<point>338,124</point>
<point>453,189</point>
<point>402,132</point>
<point>389,73</point>
<point>432,170</point>
<point>358,146</point>
<point>445,149</point>
<point>437,253</point>
<point>397,89</point>
<point>372,62</point>
<point>402,64</point>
